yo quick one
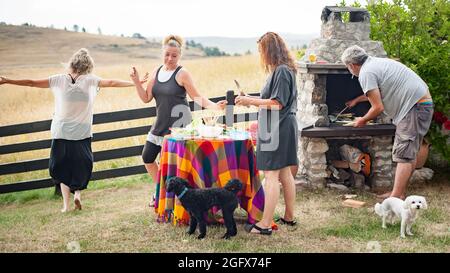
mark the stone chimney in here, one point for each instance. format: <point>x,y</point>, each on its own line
<point>337,35</point>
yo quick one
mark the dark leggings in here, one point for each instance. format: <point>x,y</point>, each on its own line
<point>150,152</point>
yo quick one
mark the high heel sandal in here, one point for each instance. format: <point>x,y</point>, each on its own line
<point>262,231</point>
<point>152,202</point>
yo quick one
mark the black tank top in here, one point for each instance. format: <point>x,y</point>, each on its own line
<point>170,103</point>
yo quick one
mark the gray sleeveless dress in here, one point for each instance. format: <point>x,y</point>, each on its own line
<point>277,130</point>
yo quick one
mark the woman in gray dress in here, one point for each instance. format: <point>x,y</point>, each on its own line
<point>276,148</point>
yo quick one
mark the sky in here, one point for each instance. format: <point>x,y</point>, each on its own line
<point>155,18</point>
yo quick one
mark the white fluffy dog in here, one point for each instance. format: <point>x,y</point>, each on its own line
<point>407,211</point>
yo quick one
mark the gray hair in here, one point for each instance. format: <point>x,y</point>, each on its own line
<point>81,62</point>
<point>354,55</point>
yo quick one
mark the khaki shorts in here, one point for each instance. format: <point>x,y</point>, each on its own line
<point>410,132</point>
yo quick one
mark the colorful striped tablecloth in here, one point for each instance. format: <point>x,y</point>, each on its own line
<point>208,163</point>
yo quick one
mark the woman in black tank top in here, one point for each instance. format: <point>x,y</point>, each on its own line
<point>169,94</point>
<point>170,97</point>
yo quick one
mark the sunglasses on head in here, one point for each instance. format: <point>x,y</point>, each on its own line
<point>265,34</point>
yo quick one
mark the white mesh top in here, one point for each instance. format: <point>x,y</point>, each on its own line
<point>72,119</point>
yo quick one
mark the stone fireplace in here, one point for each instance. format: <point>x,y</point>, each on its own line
<point>324,87</point>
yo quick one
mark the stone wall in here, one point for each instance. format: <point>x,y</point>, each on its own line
<point>311,101</point>
<point>330,50</point>
<point>336,29</point>
<point>381,153</point>
<point>313,161</point>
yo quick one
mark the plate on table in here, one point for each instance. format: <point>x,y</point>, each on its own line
<point>239,135</point>
<point>210,131</point>
<point>182,133</point>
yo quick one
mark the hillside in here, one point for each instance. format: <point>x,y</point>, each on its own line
<point>33,46</point>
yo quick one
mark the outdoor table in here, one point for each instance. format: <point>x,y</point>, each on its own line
<point>207,163</point>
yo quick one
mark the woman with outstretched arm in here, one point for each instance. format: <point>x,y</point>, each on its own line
<point>71,158</point>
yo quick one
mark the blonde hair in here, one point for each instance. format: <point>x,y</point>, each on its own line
<point>174,41</point>
<point>81,62</point>
<point>274,52</point>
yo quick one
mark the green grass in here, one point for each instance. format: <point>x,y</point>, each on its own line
<point>361,229</point>
<point>48,193</point>
<point>119,182</point>
<point>116,218</point>
<point>27,196</point>
<point>362,225</point>
<point>434,215</point>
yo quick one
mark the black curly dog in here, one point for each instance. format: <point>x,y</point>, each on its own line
<point>199,201</point>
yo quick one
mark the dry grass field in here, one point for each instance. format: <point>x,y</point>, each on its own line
<point>38,56</point>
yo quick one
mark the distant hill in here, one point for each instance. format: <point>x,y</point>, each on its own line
<point>242,45</point>
<point>29,45</point>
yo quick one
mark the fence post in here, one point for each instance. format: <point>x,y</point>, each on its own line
<point>58,190</point>
<point>229,112</point>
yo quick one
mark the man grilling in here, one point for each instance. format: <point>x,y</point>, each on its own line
<point>392,87</point>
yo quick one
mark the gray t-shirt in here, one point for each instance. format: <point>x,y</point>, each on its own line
<point>399,86</point>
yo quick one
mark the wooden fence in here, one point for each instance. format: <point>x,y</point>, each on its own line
<point>123,152</point>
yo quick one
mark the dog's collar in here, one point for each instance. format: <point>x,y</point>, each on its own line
<point>182,193</point>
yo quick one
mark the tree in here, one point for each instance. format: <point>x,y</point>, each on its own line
<point>75,28</point>
<point>416,32</point>
<point>138,36</point>
<point>83,29</point>
<point>213,51</point>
